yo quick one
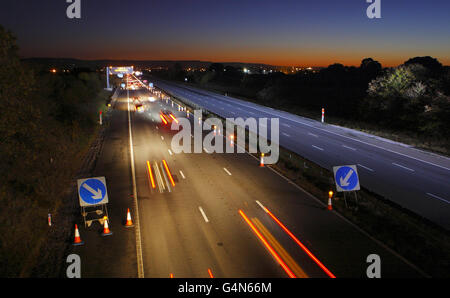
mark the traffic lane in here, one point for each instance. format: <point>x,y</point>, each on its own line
<point>411,190</point>
<point>431,194</point>
<point>330,130</point>
<point>112,256</point>
<point>264,185</point>
<point>171,232</point>
<point>253,191</point>
<point>207,165</point>
<point>294,132</point>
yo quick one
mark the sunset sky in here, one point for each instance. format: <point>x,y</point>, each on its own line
<point>304,33</point>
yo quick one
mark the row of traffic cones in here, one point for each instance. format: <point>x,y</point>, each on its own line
<point>106,231</point>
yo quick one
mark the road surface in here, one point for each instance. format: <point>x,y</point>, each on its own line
<point>215,221</point>
<point>414,179</point>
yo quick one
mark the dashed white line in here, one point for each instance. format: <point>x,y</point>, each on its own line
<point>284,124</point>
<point>318,148</point>
<point>349,147</point>
<point>203,214</point>
<point>396,164</point>
<point>162,138</point>
<point>228,172</point>
<point>182,175</point>
<point>365,167</point>
<point>286,134</point>
<point>311,134</point>
<point>437,197</point>
<point>170,151</point>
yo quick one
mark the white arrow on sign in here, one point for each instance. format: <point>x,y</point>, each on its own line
<point>97,194</point>
<point>344,182</point>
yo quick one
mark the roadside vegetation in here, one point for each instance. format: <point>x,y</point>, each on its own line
<point>409,103</point>
<point>47,121</point>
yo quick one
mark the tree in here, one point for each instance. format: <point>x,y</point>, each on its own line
<point>216,67</point>
<point>432,64</point>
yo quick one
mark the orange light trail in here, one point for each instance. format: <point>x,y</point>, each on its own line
<point>168,172</point>
<point>171,275</point>
<point>163,119</point>
<point>325,269</point>
<point>210,273</point>
<point>267,245</point>
<point>173,117</point>
<point>150,174</point>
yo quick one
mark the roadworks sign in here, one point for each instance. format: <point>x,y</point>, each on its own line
<point>346,178</point>
<point>92,191</point>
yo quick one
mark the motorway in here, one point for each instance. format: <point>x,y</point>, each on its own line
<point>221,216</point>
<point>414,179</point>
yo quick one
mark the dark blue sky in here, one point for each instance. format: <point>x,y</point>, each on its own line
<point>316,32</point>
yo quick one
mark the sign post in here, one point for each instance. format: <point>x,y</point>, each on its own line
<point>93,197</point>
<point>346,179</point>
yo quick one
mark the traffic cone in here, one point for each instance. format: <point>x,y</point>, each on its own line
<point>261,164</point>
<point>77,240</point>
<point>129,223</point>
<point>330,195</point>
<point>106,231</point>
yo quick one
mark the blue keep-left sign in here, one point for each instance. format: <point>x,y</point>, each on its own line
<point>346,178</point>
<point>92,191</point>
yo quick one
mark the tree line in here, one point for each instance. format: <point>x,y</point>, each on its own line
<point>413,97</point>
<point>46,123</point>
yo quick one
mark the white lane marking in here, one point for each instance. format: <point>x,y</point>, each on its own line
<point>396,164</point>
<point>203,213</point>
<point>318,148</point>
<point>170,151</point>
<point>162,138</point>
<point>137,230</point>
<point>349,147</point>
<point>262,109</point>
<point>182,175</point>
<point>156,127</point>
<point>206,150</point>
<point>284,124</point>
<point>286,134</point>
<point>261,205</point>
<point>228,172</point>
<point>311,134</point>
<point>437,197</point>
<point>365,167</point>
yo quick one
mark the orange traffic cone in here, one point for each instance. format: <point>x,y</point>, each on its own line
<point>129,223</point>
<point>261,164</point>
<point>330,195</point>
<point>106,231</point>
<point>77,240</point>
